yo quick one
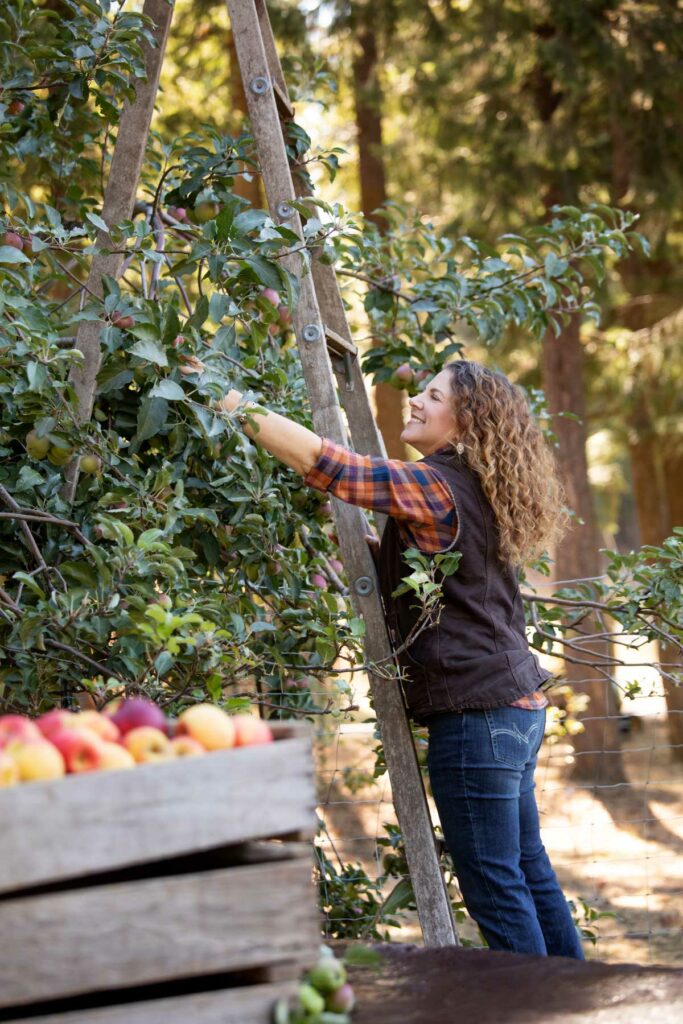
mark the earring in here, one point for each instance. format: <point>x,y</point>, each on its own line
<point>460,448</point>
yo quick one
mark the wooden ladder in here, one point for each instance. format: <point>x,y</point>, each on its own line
<point>327,352</point>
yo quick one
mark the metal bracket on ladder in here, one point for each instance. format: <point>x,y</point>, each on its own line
<point>320,317</point>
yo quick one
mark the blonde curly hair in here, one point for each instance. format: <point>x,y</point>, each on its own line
<point>505,446</point>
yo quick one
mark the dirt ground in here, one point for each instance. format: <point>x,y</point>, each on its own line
<point>619,851</point>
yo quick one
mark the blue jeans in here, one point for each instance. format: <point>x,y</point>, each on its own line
<point>481,768</point>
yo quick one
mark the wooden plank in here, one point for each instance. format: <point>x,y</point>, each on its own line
<point>249,1005</point>
<point>99,821</point>
<point>136,933</point>
<point>119,199</point>
<point>319,305</point>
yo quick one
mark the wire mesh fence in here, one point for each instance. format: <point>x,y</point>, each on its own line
<point>615,845</point>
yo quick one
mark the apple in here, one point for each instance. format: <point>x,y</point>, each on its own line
<point>17,728</point>
<point>56,720</point>
<point>319,581</point>
<point>310,1001</point>
<point>38,759</point>
<point>402,377</point>
<point>342,1000</point>
<point>422,375</point>
<point>148,744</point>
<point>205,211</point>
<point>13,239</point>
<point>80,748</point>
<point>9,770</point>
<point>208,724</point>
<point>186,746</point>
<point>271,295</point>
<point>102,725</point>
<point>91,465</point>
<point>328,975</point>
<point>179,212</point>
<point>326,508</point>
<point>59,456</point>
<point>36,447</point>
<point>178,340</point>
<point>124,322</point>
<point>251,731</point>
<point>134,712</point>
<point>16,107</point>
<point>114,757</point>
<point>336,565</point>
<point>284,316</point>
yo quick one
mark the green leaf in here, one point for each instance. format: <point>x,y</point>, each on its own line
<point>168,389</point>
<point>98,222</point>
<point>150,351</point>
<point>8,254</point>
<point>152,416</point>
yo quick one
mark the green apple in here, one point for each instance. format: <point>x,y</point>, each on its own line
<point>36,447</point>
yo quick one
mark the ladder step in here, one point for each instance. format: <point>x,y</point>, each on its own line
<point>338,344</point>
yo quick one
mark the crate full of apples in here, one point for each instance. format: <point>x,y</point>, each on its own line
<point>132,731</point>
<point>154,870</point>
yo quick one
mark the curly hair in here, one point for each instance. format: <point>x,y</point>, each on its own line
<point>505,446</point>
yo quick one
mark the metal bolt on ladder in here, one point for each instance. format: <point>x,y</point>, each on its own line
<point>320,316</point>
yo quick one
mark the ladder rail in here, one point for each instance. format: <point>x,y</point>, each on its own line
<point>260,70</point>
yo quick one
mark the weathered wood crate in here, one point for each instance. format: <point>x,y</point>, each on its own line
<point>176,892</point>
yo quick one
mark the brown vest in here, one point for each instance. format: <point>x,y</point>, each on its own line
<point>476,655</point>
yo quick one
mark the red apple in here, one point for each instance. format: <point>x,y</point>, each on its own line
<point>148,745</point>
<point>336,565</point>
<point>179,212</point>
<point>17,728</point>
<point>319,581</point>
<point>124,322</point>
<point>178,340</point>
<point>13,239</point>
<point>402,377</point>
<point>55,721</point>
<point>81,749</point>
<point>342,1000</point>
<point>209,725</point>
<point>251,731</point>
<point>284,316</point>
<point>271,295</point>
<point>134,712</point>
<point>38,759</point>
<point>16,107</point>
<point>422,375</point>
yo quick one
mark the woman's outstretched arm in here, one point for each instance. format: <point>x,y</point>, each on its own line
<point>296,446</point>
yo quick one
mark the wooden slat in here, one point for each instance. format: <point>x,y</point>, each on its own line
<point>319,306</point>
<point>339,344</point>
<point>87,823</point>
<point>250,1005</point>
<point>135,933</point>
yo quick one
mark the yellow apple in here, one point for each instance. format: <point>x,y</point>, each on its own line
<point>38,759</point>
<point>9,771</point>
<point>209,725</point>
<point>114,756</point>
<point>186,746</point>
<point>250,731</point>
<point>148,744</point>
<point>98,723</point>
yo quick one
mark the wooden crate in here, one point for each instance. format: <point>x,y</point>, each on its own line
<point>173,892</point>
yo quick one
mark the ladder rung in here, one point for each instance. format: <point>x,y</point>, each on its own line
<point>284,107</point>
<point>338,344</point>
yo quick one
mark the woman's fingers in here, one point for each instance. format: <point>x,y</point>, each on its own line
<point>192,365</point>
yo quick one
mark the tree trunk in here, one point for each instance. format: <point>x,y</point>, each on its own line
<point>646,474</point>
<point>373,194</point>
<point>598,754</point>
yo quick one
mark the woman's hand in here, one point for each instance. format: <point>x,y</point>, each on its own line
<point>229,402</point>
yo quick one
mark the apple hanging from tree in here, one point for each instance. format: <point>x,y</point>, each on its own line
<point>402,377</point>
<point>36,447</point>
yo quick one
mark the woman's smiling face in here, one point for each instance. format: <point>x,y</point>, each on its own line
<point>432,423</point>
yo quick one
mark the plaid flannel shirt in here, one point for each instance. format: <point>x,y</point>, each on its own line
<point>412,493</point>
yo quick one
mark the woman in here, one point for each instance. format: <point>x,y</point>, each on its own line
<point>486,485</point>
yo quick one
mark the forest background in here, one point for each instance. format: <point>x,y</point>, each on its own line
<point>447,125</point>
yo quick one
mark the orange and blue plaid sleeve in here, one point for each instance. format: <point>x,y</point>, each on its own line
<point>410,492</point>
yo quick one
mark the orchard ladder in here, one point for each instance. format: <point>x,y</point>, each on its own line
<point>327,351</point>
